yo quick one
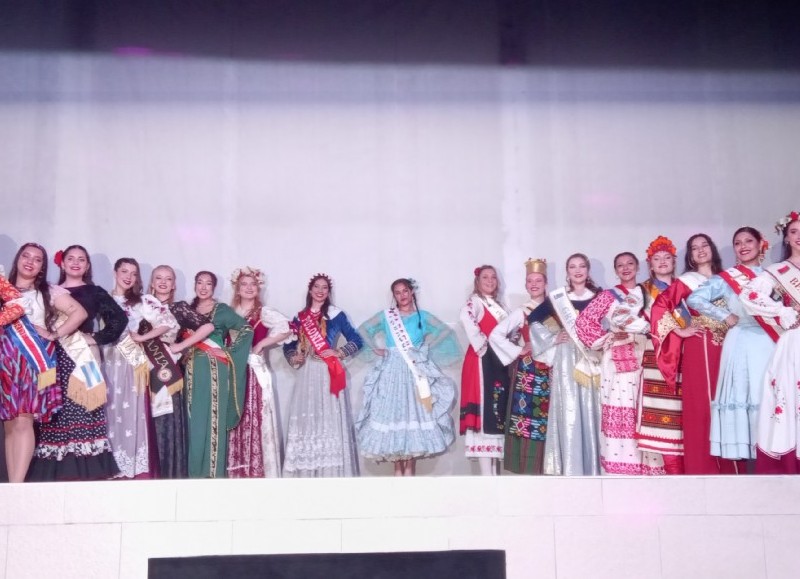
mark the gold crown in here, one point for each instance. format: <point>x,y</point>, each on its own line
<point>536,266</point>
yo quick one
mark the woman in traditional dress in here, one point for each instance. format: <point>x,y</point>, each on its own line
<point>254,448</point>
<point>659,427</point>
<point>127,367</point>
<point>529,398</point>
<point>170,428</point>
<point>73,444</point>
<point>774,296</point>
<point>690,352</point>
<point>484,379</point>
<point>216,376</point>
<point>613,323</point>
<point>407,398</point>
<point>572,446</point>
<point>745,351</point>
<point>320,439</point>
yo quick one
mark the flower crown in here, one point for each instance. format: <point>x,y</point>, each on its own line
<point>414,284</point>
<point>320,275</point>
<point>253,272</point>
<point>781,224</point>
<point>661,243</point>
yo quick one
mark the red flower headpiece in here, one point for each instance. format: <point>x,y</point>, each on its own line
<point>477,271</point>
<point>661,243</point>
<point>58,258</point>
<point>786,220</point>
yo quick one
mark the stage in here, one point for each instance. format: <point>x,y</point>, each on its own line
<point>548,527</point>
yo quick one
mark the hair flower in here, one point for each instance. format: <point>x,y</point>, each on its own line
<point>253,272</point>
<point>58,258</point>
<point>781,224</point>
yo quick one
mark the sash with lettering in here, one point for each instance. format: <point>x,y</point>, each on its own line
<point>587,369</point>
<point>40,353</point>
<point>318,342</point>
<point>86,385</point>
<point>163,369</point>
<point>737,277</point>
<point>404,344</point>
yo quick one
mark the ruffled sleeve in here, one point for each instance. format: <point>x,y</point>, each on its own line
<point>470,315</point>
<point>10,298</point>
<point>277,323</point>
<point>113,318</point>
<point>158,314</point>
<point>701,299</point>
<point>500,338</point>
<point>761,297</point>
<point>442,342</point>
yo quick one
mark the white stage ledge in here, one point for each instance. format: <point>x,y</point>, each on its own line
<point>549,527</point>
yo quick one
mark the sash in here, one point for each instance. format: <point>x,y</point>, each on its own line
<point>737,277</point>
<point>404,344</point>
<point>164,372</point>
<point>135,356</point>
<point>258,365</point>
<point>497,311</point>
<point>210,348</point>
<point>587,369</point>
<point>788,276</point>
<point>86,385</point>
<point>317,340</point>
<point>39,353</point>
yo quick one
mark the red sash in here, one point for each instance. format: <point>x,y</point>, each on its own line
<point>39,353</point>
<point>209,348</point>
<point>318,342</point>
<point>737,289</point>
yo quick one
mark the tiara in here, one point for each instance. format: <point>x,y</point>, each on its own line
<point>536,265</point>
<point>320,275</point>
<point>253,272</point>
<point>661,243</point>
<point>781,224</point>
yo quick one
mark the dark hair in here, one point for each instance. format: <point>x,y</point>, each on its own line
<point>213,277</point>
<point>87,275</point>
<point>787,251</point>
<point>716,260</point>
<point>133,295</point>
<point>407,282</point>
<point>626,254</point>
<point>39,283</point>
<point>590,284</point>
<point>326,304</point>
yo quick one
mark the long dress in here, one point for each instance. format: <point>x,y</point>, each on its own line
<point>393,423</point>
<point>75,445</point>
<point>484,381</point>
<point>128,408</point>
<point>215,380</point>
<point>619,310</point>
<point>573,446</point>
<point>320,437</point>
<point>779,418</point>
<point>19,391</point>
<point>694,363</point>
<point>171,430</point>
<point>254,449</point>
<point>745,353</point>
<point>529,392</point>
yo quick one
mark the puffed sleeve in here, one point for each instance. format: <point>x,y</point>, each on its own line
<point>709,291</point>
<point>158,314</point>
<point>277,323</point>
<point>114,320</point>
<point>442,342</point>
<point>10,298</point>
<point>761,297</point>
<point>500,338</point>
<point>470,315</point>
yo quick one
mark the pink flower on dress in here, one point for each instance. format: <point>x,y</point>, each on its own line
<point>778,410</point>
<point>752,295</point>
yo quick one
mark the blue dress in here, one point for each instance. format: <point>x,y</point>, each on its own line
<point>394,424</point>
<point>745,353</point>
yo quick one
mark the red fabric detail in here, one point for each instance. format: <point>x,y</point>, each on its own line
<point>310,325</point>
<point>618,422</point>
<point>668,348</point>
<point>673,464</point>
<point>471,394</point>
<point>588,325</point>
<point>786,464</point>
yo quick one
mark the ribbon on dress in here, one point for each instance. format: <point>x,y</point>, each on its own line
<point>404,344</point>
<point>319,344</point>
<point>40,353</point>
<point>587,369</point>
<point>737,277</point>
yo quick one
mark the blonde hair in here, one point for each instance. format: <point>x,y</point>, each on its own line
<point>150,288</point>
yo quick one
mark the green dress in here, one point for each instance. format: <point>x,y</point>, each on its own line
<point>215,385</point>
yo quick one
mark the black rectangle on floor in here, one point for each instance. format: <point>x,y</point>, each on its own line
<point>420,565</point>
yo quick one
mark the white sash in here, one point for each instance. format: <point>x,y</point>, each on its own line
<point>259,367</point>
<point>497,311</point>
<point>403,342</point>
<point>587,369</point>
<point>788,276</point>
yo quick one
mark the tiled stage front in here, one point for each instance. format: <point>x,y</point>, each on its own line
<point>729,527</point>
